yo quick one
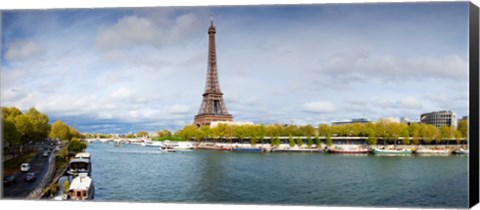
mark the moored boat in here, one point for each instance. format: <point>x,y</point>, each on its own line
<point>246,149</point>
<point>460,151</point>
<point>349,150</point>
<point>153,144</point>
<point>378,151</point>
<point>80,164</point>
<point>166,148</point>
<point>434,151</point>
<point>81,188</point>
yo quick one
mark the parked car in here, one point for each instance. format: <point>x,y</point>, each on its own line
<point>25,167</point>
<point>45,153</point>
<point>30,177</point>
<point>9,180</point>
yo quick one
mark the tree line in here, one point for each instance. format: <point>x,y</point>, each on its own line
<point>382,130</point>
<point>22,129</point>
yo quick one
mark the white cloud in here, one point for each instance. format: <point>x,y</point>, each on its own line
<point>319,107</point>
<point>361,65</point>
<point>410,103</point>
<point>128,30</point>
<point>22,50</point>
<point>122,93</point>
<point>178,109</point>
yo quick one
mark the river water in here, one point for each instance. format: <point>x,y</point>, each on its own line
<point>136,173</point>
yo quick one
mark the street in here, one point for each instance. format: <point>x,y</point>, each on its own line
<point>20,190</point>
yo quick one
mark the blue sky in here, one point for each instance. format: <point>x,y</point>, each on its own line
<point>119,70</point>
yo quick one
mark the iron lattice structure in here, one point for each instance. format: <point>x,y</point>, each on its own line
<point>213,107</point>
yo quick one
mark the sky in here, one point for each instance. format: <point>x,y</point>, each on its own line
<point>120,70</point>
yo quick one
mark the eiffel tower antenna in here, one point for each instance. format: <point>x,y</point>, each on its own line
<point>213,107</point>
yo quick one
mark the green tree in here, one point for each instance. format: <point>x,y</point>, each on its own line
<point>429,133</point>
<point>24,128</point>
<point>164,133</point>
<point>447,133</point>
<point>39,123</point>
<point>309,141</point>
<point>142,134</point>
<point>463,128</point>
<point>60,131</point>
<point>414,131</point>
<point>11,137</point>
<point>206,132</point>
<point>324,130</point>
<point>299,142</point>
<point>291,141</point>
<point>329,140</point>
<point>76,146</point>
<point>9,113</point>
<point>372,138</point>
<point>404,134</point>
<point>317,141</point>
<point>253,140</point>
<point>188,132</point>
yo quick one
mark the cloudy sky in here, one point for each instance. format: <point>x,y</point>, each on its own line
<point>129,69</point>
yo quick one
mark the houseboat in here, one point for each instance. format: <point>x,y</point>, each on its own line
<point>391,151</point>
<point>432,151</point>
<point>80,165</point>
<point>81,188</point>
<point>348,150</point>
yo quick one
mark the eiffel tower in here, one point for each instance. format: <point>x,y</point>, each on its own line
<point>213,107</point>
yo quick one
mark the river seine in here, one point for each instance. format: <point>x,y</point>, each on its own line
<point>144,174</point>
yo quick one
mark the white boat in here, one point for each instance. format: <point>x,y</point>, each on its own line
<point>83,155</point>
<point>81,188</point>
<point>154,144</point>
<point>79,165</point>
<point>181,145</point>
<point>461,151</point>
<point>166,148</point>
<point>432,152</point>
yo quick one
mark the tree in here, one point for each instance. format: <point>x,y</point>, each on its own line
<point>142,134</point>
<point>60,131</point>
<point>404,134</point>
<point>329,140</point>
<point>463,128</point>
<point>309,141</point>
<point>428,133</point>
<point>164,133</point>
<point>291,141</point>
<point>447,133</point>
<point>317,141</point>
<point>39,122</point>
<point>24,128</point>
<point>76,146</point>
<point>414,131</point>
<point>253,140</point>
<point>9,113</point>
<point>188,132</point>
<point>323,130</point>
<point>372,139</point>
<point>11,137</point>
<point>206,131</point>
<point>299,142</point>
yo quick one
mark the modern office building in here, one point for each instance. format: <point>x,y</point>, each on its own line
<point>439,118</point>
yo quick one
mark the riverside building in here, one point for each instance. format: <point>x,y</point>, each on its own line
<point>439,118</point>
